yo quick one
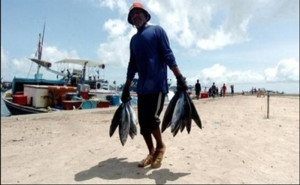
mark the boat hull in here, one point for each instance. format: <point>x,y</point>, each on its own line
<point>18,87</point>
<point>16,109</point>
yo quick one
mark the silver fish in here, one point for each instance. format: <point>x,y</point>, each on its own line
<point>188,113</point>
<point>178,114</point>
<point>133,121</point>
<point>195,115</point>
<point>125,118</point>
<point>124,126</point>
<point>169,112</point>
<point>186,119</point>
<point>116,120</point>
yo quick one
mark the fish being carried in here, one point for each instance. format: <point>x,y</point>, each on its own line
<point>180,113</point>
<point>125,118</point>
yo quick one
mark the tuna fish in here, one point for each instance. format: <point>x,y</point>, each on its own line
<point>116,120</point>
<point>180,113</point>
<point>188,113</point>
<point>169,112</point>
<point>125,118</point>
<point>124,126</point>
<point>195,115</point>
<point>133,122</point>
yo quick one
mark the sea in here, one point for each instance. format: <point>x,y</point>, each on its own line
<point>4,111</point>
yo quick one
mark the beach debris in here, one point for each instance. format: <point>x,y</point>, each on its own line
<point>125,118</point>
<point>180,113</point>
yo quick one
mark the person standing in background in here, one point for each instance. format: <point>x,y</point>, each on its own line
<point>197,89</point>
<point>214,90</point>
<point>232,89</point>
<point>224,90</point>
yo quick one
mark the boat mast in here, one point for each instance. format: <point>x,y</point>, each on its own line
<point>83,72</point>
<point>39,53</point>
<point>41,44</point>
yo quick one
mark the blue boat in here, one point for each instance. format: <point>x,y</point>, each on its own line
<point>38,95</point>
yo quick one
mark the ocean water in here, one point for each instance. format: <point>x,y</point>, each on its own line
<point>4,111</point>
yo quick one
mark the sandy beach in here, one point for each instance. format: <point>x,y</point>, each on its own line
<point>237,144</point>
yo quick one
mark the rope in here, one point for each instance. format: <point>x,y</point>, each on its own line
<point>29,70</point>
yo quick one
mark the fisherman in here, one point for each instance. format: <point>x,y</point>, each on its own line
<point>224,88</point>
<point>232,89</point>
<point>214,90</point>
<point>197,89</point>
<point>150,54</point>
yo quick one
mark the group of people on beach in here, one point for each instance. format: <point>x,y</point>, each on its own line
<point>213,91</point>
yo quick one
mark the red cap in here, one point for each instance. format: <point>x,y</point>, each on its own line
<point>140,6</point>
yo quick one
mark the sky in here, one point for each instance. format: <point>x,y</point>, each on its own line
<point>247,43</point>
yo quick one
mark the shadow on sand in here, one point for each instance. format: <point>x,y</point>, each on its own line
<point>118,168</point>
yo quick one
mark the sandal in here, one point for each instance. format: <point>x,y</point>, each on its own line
<point>158,157</point>
<point>145,162</point>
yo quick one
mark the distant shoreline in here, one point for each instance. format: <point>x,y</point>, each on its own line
<point>271,94</point>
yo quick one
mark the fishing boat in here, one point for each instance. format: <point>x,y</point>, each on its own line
<point>39,95</point>
<point>98,86</point>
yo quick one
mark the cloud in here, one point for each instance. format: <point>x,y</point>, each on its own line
<point>13,67</point>
<point>220,74</point>
<point>280,10</point>
<point>202,24</point>
<point>5,66</point>
<point>115,50</point>
<point>23,67</point>
<point>215,41</point>
<point>3,55</point>
<point>196,25</point>
<point>286,70</point>
<point>53,54</point>
<point>115,27</point>
<point>193,25</point>
<point>214,72</point>
<point>120,5</point>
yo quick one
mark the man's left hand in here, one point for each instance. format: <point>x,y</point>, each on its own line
<point>181,83</point>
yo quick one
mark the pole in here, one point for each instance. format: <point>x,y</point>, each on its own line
<point>268,102</point>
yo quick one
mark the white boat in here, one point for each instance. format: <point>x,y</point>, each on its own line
<point>99,87</point>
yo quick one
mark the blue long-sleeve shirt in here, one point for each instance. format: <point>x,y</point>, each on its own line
<point>150,54</point>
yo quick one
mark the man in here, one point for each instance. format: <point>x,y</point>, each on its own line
<point>197,89</point>
<point>232,89</point>
<point>224,88</point>
<point>150,54</point>
<point>214,90</point>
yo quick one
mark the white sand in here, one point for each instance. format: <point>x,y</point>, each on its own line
<point>237,144</point>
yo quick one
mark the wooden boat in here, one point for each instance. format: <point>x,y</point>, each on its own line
<point>38,95</point>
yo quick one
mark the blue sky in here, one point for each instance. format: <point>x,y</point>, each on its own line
<point>246,43</point>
